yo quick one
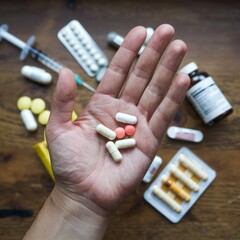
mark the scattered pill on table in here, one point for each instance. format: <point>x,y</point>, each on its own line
<point>38,105</point>
<point>28,120</point>
<point>43,117</point>
<point>24,102</point>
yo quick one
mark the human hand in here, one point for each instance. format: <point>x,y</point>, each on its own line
<point>84,170</point>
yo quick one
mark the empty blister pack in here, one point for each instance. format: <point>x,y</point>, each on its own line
<point>179,185</point>
<point>84,49</point>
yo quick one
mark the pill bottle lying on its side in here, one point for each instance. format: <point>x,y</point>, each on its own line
<point>205,96</point>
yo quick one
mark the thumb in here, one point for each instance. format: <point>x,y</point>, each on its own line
<point>63,98</point>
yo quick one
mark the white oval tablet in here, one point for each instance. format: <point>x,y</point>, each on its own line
<point>185,134</point>
<point>125,118</point>
<point>36,74</point>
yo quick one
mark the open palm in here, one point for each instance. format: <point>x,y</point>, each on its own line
<point>82,166</point>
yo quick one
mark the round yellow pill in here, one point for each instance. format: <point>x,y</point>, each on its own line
<point>24,103</point>
<point>43,117</point>
<point>38,105</point>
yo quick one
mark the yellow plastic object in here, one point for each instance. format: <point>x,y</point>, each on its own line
<point>38,105</point>
<point>43,153</point>
<point>24,102</point>
<point>43,117</point>
<point>74,116</point>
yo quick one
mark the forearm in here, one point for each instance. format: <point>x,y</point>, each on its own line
<point>63,218</point>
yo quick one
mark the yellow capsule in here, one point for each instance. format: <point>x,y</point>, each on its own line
<point>24,103</point>
<point>177,190</point>
<point>38,105</point>
<point>43,117</point>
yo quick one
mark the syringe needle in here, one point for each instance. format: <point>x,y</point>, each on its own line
<point>37,54</point>
<point>81,82</point>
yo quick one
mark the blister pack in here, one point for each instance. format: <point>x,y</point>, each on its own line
<point>84,49</point>
<point>179,185</point>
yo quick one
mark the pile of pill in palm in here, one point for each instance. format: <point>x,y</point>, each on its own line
<point>119,133</point>
<point>28,108</point>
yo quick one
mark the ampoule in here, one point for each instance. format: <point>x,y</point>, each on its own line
<point>205,96</point>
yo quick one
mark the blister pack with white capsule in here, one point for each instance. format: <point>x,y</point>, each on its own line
<point>179,185</point>
<point>84,49</point>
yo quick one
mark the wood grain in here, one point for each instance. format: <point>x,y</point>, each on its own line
<point>211,31</point>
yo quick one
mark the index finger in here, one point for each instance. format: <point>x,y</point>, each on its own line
<point>121,63</point>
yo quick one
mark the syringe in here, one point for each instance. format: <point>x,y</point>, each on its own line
<point>37,54</point>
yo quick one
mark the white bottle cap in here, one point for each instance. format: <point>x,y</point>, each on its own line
<point>189,68</point>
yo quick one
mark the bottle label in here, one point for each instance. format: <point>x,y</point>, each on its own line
<point>208,100</point>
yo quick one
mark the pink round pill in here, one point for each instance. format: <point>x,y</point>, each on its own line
<point>120,132</point>
<point>130,130</point>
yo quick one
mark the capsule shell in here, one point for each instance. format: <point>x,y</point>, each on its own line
<point>125,143</point>
<point>184,178</point>
<point>112,149</point>
<point>177,190</point>
<point>36,74</point>
<point>106,132</point>
<point>157,191</point>
<point>193,167</point>
<point>28,120</point>
<point>156,163</point>
<point>126,118</point>
<point>185,134</point>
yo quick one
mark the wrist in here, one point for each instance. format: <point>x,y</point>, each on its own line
<point>64,218</point>
<point>81,215</point>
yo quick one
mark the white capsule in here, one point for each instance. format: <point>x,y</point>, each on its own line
<point>192,167</point>
<point>184,178</point>
<point>150,32</point>
<point>114,39</point>
<point>28,120</point>
<point>106,132</point>
<point>186,134</point>
<point>156,163</point>
<point>125,143</point>
<point>157,191</point>
<point>125,118</point>
<point>36,74</point>
<point>112,149</point>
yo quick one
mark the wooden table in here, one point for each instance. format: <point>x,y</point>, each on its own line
<point>211,31</point>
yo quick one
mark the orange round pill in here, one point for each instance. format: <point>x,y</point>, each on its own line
<point>130,130</point>
<point>120,132</point>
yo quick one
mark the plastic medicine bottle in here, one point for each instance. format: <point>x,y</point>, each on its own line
<point>205,96</point>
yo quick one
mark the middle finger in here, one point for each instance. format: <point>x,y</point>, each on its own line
<point>147,63</point>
